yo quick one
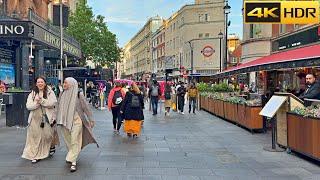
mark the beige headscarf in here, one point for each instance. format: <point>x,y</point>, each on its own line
<point>67,104</point>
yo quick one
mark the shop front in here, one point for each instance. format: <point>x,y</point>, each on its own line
<point>294,56</point>
<point>28,47</point>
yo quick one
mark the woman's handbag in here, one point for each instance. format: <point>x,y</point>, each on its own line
<point>44,118</point>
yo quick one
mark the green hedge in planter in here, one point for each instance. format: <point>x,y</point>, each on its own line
<point>310,111</point>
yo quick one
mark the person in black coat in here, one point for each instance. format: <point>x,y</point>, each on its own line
<point>132,110</point>
<point>312,91</point>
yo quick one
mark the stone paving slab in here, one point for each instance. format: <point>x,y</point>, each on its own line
<point>179,147</point>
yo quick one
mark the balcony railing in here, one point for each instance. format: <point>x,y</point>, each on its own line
<point>47,25</point>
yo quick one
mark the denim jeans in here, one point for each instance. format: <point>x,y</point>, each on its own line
<point>180,103</point>
<point>154,104</point>
<point>192,102</point>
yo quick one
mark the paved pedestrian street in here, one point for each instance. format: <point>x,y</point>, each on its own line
<point>179,147</point>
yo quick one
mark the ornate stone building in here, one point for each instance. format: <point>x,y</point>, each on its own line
<point>19,8</point>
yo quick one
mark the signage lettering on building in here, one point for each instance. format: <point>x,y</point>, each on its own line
<point>283,12</point>
<point>298,39</point>
<point>22,29</point>
<point>208,51</point>
<point>13,29</point>
<point>55,41</point>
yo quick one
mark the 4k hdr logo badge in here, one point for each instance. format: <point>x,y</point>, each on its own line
<point>282,12</point>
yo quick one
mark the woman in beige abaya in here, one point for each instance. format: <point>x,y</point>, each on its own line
<point>41,133</point>
<point>75,117</point>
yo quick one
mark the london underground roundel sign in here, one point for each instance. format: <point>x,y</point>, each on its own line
<point>208,51</point>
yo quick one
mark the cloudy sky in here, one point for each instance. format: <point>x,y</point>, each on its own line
<point>126,17</point>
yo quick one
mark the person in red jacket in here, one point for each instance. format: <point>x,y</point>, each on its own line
<point>115,99</point>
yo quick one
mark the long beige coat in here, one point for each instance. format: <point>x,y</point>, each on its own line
<point>47,104</point>
<point>86,116</point>
<point>39,140</point>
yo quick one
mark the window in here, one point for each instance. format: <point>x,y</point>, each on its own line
<point>200,35</point>
<point>174,43</point>
<point>174,26</point>
<point>251,31</point>
<point>201,17</point>
<point>207,35</point>
<point>182,20</point>
<point>207,17</point>
<point>282,28</point>
<point>255,31</point>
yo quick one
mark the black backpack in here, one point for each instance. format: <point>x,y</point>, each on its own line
<point>167,95</point>
<point>135,101</point>
<point>117,98</point>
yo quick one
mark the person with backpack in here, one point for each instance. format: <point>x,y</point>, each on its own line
<point>181,92</point>
<point>115,100</point>
<point>167,99</point>
<point>154,94</point>
<point>132,110</point>
<point>192,97</point>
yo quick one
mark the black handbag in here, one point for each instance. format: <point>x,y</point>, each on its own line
<point>44,119</point>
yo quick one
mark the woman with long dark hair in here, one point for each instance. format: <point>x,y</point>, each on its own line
<point>41,133</point>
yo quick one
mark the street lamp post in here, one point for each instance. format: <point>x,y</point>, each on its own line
<point>61,42</point>
<point>220,35</point>
<point>191,59</point>
<point>137,70</point>
<point>226,9</point>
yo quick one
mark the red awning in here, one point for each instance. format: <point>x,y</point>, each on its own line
<point>303,53</point>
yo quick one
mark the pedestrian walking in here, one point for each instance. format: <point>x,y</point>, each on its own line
<point>154,95</point>
<point>132,110</point>
<point>41,132</point>
<point>115,100</point>
<point>192,97</point>
<point>167,99</point>
<point>76,121</point>
<point>181,92</point>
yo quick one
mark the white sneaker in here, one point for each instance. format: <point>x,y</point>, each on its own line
<point>182,113</point>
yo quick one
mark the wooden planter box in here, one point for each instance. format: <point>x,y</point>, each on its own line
<point>210,105</point>
<point>304,135</point>
<point>241,114</point>
<point>253,120</point>
<point>214,107</point>
<point>225,113</point>
<point>234,110</point>
<point>202,102</point>
<point>205,103</point>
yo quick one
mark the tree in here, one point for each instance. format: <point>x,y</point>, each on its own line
<point>106,51</point>
<point>96,41</point>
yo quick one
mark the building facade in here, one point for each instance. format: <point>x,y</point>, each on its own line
<point>194,27</point>
<point>260,40</point>
<point>137,52</point>
<point>233,42</point>
<point>29,44</point>
<point>158,51</point>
